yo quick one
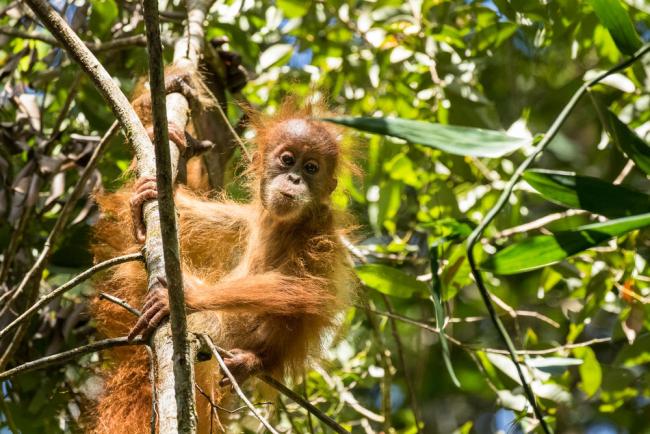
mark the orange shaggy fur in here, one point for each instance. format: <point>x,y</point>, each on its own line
<point>267,286</point>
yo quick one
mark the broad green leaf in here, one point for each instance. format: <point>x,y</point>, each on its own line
<point>624,137</point>
<point>540,251</point>
<point>454,139</point>
<point>591,194</point>
<point>617,21</point>
<point>590,371</point>
<point>294,8</point>
<point>390,281</point>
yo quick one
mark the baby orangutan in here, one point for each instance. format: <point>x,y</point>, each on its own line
<point>268,277</point>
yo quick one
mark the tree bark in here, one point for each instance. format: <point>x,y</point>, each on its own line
<point>174,353</point>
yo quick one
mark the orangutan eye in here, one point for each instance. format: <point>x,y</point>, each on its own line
<point>287,159</point>
<point>311,167</point>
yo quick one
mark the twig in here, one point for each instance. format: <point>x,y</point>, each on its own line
<point>516,313</point>
<point>233,382</point>
<point>304,403</point>
<point>524,313</point>
<point>68,285</point>
<point>557,349</point>
<point>536,224</point>
<point>33,275</point>
<point>14,242</point>
<point>295,397</point>
<point>288,413</point>
<point>4,10</point>
<point>310,423</point>
<point>97,47</point>
<point>119,302</point>
<point>386,362</point>
<point>484,373</point>
<point>454,341</point>
<point>69,355</point>
<point>400,353</point>
<point>214,415</point>
<point>641,299</point>
<point>624,172</point>
<point>173,15</point>
<point>118,44</point>
<point>227,410</point>
<point>384,353</point>
<point>72,93</point>
<point>348,398</point>
<point>235,136</point>
<point>503,199</point>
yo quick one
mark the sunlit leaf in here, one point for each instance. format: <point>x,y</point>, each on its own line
<point>540,251</point>
<point>294,8</point>
<point>390,281</point>
<point>454,139</point>
<point>616,19</point>
<point>590,371</point>
<point>591,194</point>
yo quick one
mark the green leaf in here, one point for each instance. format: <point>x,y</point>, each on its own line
<point>615,18</point>
<point>590,371</point>
<point>390,281</point>
<point>294,8</point>
<point>454,139</point>
<point>439,310</point>
<point>636,354</point>
<point>102,16</point>
<point>624,137</point>
<point>591,194</point>
<point>495,35</point>
<point>537,252</point>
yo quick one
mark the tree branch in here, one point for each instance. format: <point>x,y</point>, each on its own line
<point>68,285</point>
<point>233,382</point>
<point>97,47</point>
<point>167,239</point>
<point>69,355</point>
<point>304,403</point>
<point>119,302</point>
<point>294,396</point>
